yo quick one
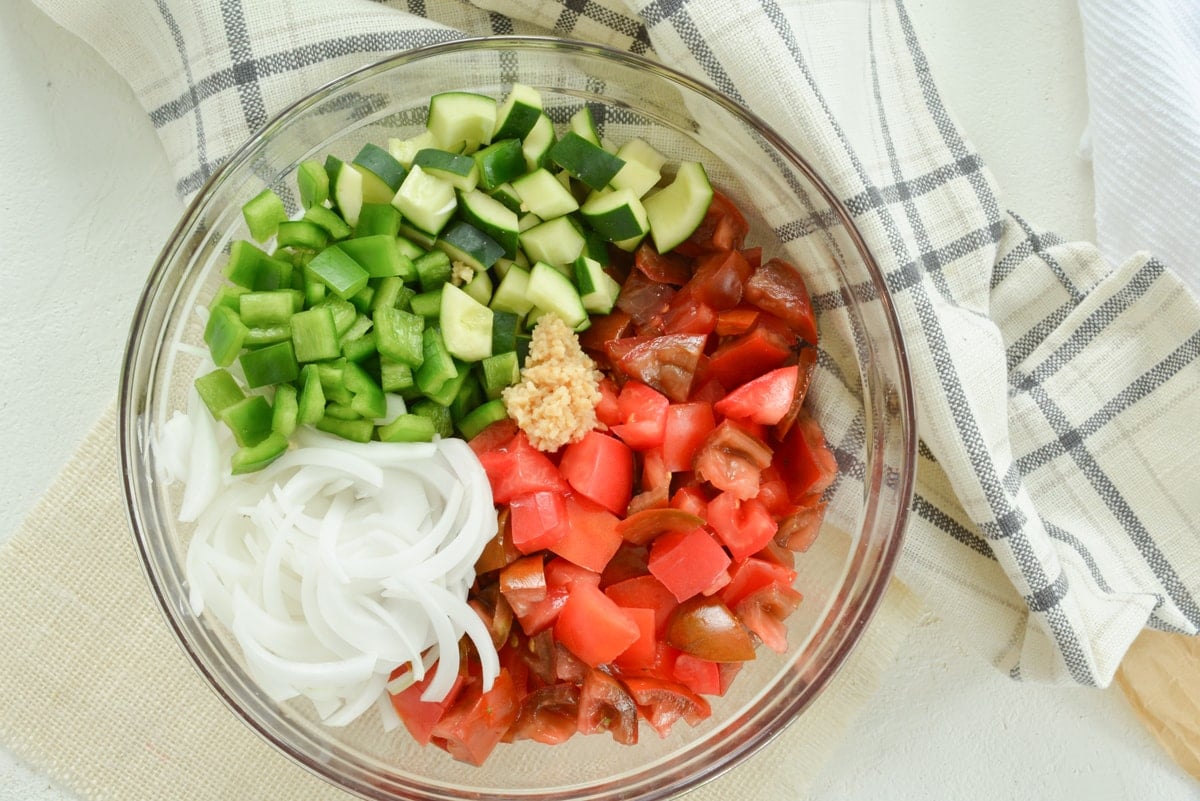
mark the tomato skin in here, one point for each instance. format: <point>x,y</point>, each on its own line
<point>686,315</point>
<point>616,324</point>
<point>539,520</point>
<point>754,574</point>
<point>667,363</point>
<point>690,499</point>
<point>663,703</point>
<point>643,416</point>
<point>591,539</point>
<point>500,550</point>
<point>806,363</point>
<point>738,320</point>
<point>548,714</point>
<point>698,675</point>
<point>592,626</point>
<point>606,706</point>
<point>777,287</point>
<point>745,527</point>
<point>704,627</point>
<point>720,279</point>
<point>799,529</point>
<point>804,462</point>
<point>764,400</point>
<point>600,468</point>
<point>518,468</point>
<point>687,563</point>
<point>642,528</point>
<point>523,584</point>
<point>645,301</point>
<point>665,268</point>
<point>723,228</point>
<point>763,612</point>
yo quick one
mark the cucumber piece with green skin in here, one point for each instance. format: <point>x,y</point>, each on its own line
<point>499,163</point>
<point>584,125</point>
<point>492,218</point>
<point>480,287</point>
<point>551,291</point>
<point>381,173</point>
<point>512,295</point>
<point>585,160</point>
<point>346,188</point>
<point>508,196</point>
<point>557,242</point>
<point>404,150</point>
<point>461,117</point>
<point>416,238</point>
<point>466,325</point>
<point>425,200</point>
<point>617,215</point>
<point>676,210</point>
<point>598,290</point>
<point>642,169</point>
<point>544,195</point>
<point>535,147</point>
<point>465,243</point>
<point>519,112</point>
<point>459,171</point>
<point>505,325</point>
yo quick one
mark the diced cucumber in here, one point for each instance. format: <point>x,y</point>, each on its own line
<point>676,210</point>
<point>459,171</point>
<point>346,188</point>
<point>552,291</point>
<point>519,112</point>
<point>466,325</point>
<point>598,290</point>
<point>512,295</point>
<point>425,200</point>
<point>617,215</point>
<point>465,243</point>
<point>381,173</point>
<point>405,150</point>
<point>542,194</point>
<point>499,163</point>
<point>492,217</point>
<point>558,242</point>
<point>584,125</point>
<point>465,117</point>
<point>535,147</point>
<point>508,196</point>
<point>642,169</point>
<point>416,237</point>
<point>585,160</point>
<point>480,287</point>
<point>504,331</point>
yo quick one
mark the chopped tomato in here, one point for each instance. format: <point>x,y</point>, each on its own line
<point>778,288</point>
<point>765,399</point>
<point>799,529</point>
<point>495,435</point>
<point>499,550</point>
<point>567,666</point>
<point>518,468</point>
<point>691,499</point>
<point>616,324</point>
<point>754,574</point>
<point>539,520</point>
<point>592,626</point>
<point>687,563</point>
<point>643,416</point>
<point>541,615</point>
<point>737,320</point>
<point>645,301</point>
<point>607,410</point>
<point>477,721</point>
<point>804,462</point>
<point>523,584</point>
<point>606,706</point>
<point>703,626</point>
<point>591,538</point>
<point>641,652</point>
<point>628,562</point>
<point>668,363</point>
<point>732,460</point>
<point>720,279</point>
<point>418,716</point>
<point>764,347</point>
<point>806,362</point>
<point>764,611</point>
<point>563,572</point>
<point>745,527</point>
<point>687,315</point>
<point>645,592</point>
<point>645,526</point>
<point>723,228</point>
<point>698,675</point>
<point>600,467</point>
<point>548,714</point>
<point>687,425</point>
<point>663,703</point>
<point>664,268</point>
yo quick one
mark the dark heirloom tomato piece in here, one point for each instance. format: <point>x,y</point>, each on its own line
<point>662,268</point>
<point>720,279</point>
<point>606,706</point>
<point>667,363</point>
<point>687,315</point>
<point>499,550</point>
<point>523,584</point>
<point>548,715</point>
<point>628,562</point>
<point>799,529</point>
<point>704,627</point>
<point>616,324</point>
<point>737,320</point>
<point>777,287</point>
<point>665,702</point>
<point>641,528</point>
<point>723,228</point>
<point>806,363</point>
<point>732,460</point>
<point>645,301</point>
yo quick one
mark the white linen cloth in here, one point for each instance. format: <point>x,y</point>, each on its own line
<point>1143,80</point>
<point>1056,513</point>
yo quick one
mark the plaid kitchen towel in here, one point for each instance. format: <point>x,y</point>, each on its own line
<point>1057,511</point>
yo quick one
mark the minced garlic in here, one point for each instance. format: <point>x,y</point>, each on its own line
<point>555,402</point>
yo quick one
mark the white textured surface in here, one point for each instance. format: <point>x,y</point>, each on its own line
<point>89,200</point>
